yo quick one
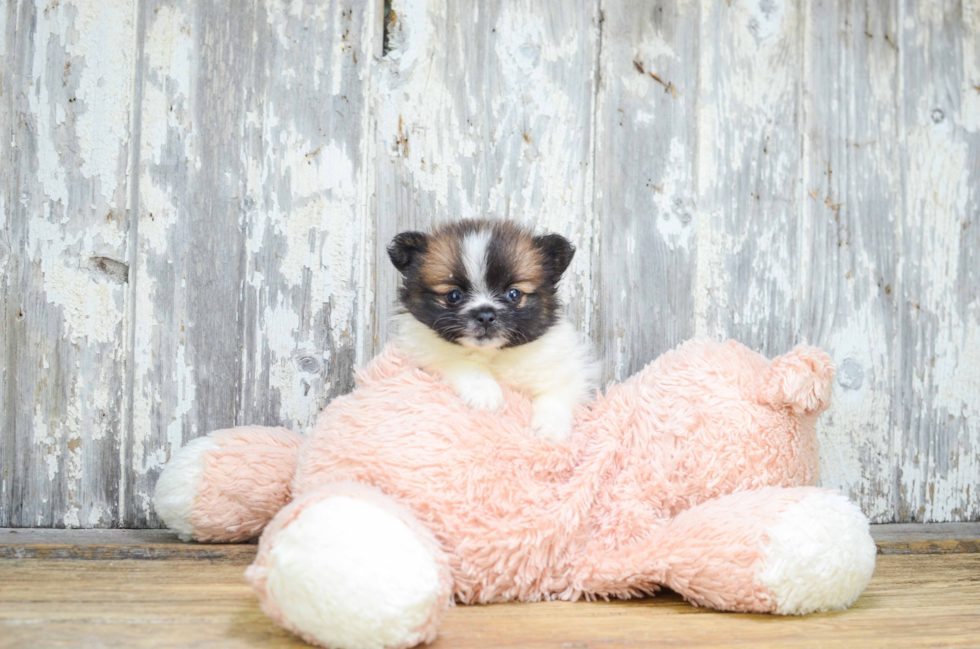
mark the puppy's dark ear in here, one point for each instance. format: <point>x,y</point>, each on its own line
<point>406,249</point>
<point>558,252</point>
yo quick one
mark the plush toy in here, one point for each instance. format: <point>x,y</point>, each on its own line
<point>693,474</point>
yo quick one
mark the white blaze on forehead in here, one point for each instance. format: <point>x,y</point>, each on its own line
<point>475,248</point>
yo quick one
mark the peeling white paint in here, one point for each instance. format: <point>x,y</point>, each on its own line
<point>73,437</point>
<point>969,113</point>
<point>741,105</point>
<point>45,442</point>
<point>185,392</point>
<point>854,433</point>
<point>164,391</point>
<point>763,19</point>
<point>957,352</point>
<point>70,518</point>
<point>146,396</point>
<point>169,49</point>
<point>947,376</point>
<point>415,128</point>
<point>50,173</point>
<point>103,93</point>
<point>159,217</point>
<point>319,236</point>
<point>104,88</point>
<point>674,209</point>
<point>510,139</point>
<point>100,404</point>
<point>92,305</point>
<point>168,86</point>
<point>340,47</point>
<point>97,516</point>
<point>298,401</point>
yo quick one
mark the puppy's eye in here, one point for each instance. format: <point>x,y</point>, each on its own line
<point>454,296</point>
<point>514,294</point>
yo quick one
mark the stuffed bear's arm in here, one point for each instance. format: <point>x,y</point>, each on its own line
<point>225,487</point>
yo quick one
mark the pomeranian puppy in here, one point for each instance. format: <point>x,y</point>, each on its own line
<point>480,306</point>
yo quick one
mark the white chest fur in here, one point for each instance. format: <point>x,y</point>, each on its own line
<point>554,370</point>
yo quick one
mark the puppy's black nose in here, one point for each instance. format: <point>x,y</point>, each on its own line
<point>486,317</point>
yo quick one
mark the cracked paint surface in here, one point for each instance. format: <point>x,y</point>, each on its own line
<point>194,234</point>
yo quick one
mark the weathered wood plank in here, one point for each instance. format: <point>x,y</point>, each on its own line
<point>115,545</point>
<point>254,231</point>
<point>930,538</point>
<point>310,233</point>
<point>67,100</point>
<point>911,602</point>
<point>190,258</point>
<point>937,379</point>
<point>7,446</point>
<point>851,212</point>
<point>485,110</point>
<point>645,188</point>
<point>749,172</point>
<point>124,545</point>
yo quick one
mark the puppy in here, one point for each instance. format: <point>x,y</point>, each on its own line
<point>481,306</point>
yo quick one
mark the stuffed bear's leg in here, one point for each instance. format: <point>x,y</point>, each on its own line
<point>347,567</point>
<point>788,551</point>
<point>227,485</point>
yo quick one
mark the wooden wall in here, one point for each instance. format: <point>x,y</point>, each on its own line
<point>195,198</point>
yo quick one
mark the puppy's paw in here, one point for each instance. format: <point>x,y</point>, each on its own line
<point>553,419</point>
<point>480,391</point>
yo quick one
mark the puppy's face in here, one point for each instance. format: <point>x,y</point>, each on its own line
<point>482,283</point>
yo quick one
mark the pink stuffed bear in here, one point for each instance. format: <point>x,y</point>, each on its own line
<point>694,474</point>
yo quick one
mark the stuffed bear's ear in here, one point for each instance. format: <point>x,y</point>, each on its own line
<point>406,248</point>
<point>558,252</point>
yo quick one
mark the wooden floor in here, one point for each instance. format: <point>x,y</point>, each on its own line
<point>65,595</point>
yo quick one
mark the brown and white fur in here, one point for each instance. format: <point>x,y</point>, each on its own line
<point>481,307</point>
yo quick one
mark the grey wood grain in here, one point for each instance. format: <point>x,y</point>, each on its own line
<point>310,233</point>
<point>937,380</point>
<point>195,202</point>
<point>852,203</point>
<point>898,532</point>
<point>485,110</point>
<point>190,258</point>
<point>253,222</point>
<point>63,195</point>
<point>645,187</point>
<point>123,545</point>
<point>7,438</point>
<point>749,164</point>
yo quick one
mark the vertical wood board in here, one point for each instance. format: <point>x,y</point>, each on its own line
<point>937,381</point>
<point>749,172</point>
<point>852,206</point>
<point>190,251</point>
<point>67,102</point>
<point>252,221</point>
<point>646,186</point>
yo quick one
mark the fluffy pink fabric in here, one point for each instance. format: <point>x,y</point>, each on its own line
<point>709,553</point>
<point>523,519</point>
<point>670,478</point>
<point>245,482</point>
